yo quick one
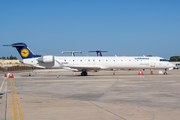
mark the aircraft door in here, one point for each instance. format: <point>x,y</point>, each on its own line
<point>152,64</point>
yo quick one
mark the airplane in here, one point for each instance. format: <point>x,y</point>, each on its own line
<point>87,63</point>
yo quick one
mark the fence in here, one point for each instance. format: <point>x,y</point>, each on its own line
<point>15,67</point>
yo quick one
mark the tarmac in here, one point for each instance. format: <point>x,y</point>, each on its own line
<point>98,96</point>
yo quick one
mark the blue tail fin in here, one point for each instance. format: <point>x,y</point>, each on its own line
<point>24,51</point>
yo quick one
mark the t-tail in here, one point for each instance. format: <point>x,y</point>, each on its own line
<point>24,51</point>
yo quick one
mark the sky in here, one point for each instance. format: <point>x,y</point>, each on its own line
<point>121,27</point>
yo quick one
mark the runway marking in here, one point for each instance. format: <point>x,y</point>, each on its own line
<point>14,111</point>
<point>13,104</point>
<point>2,84</point>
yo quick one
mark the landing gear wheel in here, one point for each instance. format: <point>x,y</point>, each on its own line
<point>165,73</point>
<point>84,73</point>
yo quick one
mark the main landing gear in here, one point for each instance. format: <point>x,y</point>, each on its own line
<point>165,73</point>
<point>84,73</point>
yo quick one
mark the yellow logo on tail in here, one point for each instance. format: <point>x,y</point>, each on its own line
<point>24,52</point>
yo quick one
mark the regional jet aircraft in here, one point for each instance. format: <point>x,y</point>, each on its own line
<point>87,63</point>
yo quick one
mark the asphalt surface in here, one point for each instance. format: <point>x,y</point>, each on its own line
<point>98,96</point>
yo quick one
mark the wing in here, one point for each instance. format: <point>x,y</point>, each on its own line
<point>85,67</point>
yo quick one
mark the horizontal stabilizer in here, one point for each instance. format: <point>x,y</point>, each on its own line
<point>72,52</point>
<point>23,50</point>
<point>98,52</point>
<point>16,44</point>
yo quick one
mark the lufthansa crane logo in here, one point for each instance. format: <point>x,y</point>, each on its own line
<point>24,52</point>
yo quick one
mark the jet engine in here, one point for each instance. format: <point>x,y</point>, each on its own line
<point>46,59</point>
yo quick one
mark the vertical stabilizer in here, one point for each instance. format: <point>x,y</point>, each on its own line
<point>24,51</point>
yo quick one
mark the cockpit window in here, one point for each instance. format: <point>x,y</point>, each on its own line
<point>163,60</point>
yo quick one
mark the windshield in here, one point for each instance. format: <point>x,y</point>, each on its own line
<point>163,60</point>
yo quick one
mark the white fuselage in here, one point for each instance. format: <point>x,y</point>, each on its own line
<point>97,63</point>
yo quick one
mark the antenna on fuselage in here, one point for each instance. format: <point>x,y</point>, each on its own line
<point>72,52</point>
<point>98,52</point>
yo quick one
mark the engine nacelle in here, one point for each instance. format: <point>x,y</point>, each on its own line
<point>46,59</point>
